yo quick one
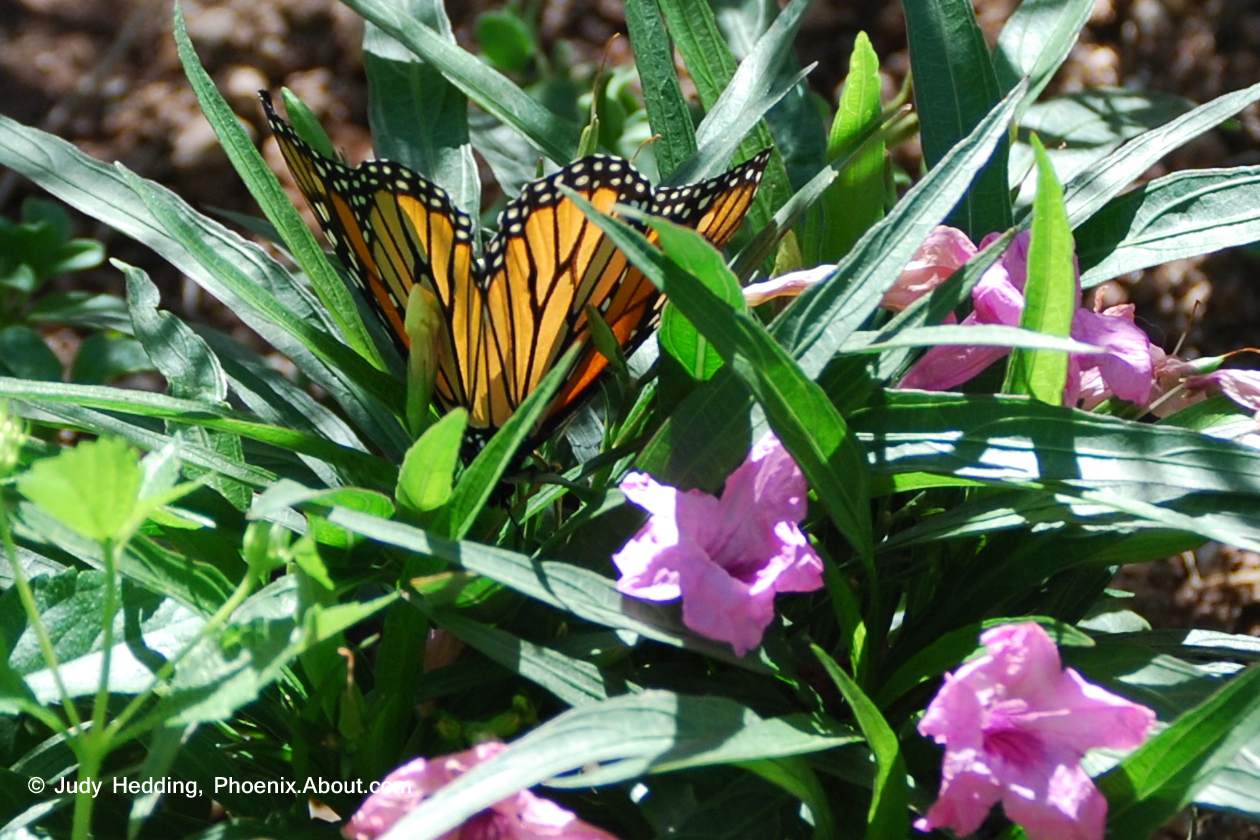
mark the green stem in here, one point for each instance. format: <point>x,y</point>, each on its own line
<point>164,673</point>
<point>89,767</point>
<point>27,597</point>
<point>101,704</point>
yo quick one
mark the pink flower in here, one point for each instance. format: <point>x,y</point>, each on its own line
<point>786,285</point>
<point>726,558</point>
<point>520,817</point>
<point>1015,725</point>
<point>945,250</point>
<point>1125,369</point>
<point>1241,386</point>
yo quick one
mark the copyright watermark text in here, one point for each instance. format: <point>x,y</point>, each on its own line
<point>192,789</point>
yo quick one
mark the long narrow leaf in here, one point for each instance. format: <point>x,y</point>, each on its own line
<point>662,96</point>
<point>266,190</point>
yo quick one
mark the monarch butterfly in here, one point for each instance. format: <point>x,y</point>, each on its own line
<point>509,315</point>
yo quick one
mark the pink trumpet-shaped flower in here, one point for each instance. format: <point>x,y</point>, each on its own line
<point>945,250</point>
<point>1241,386</point>
<point>1015,725</point>
<point>1124,369</point>
<point>725,557</point>
<point>523,816</point>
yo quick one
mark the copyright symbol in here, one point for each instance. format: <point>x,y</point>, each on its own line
<point>36,785</point>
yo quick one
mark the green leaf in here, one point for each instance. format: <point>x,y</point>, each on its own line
<point>71,605</point>
<point>505,39</point>
<point>1013,439</point>
<point>418,118</point>
<point>589,746</point>
<point>1181,215</point>
<point>191,370</point>
<point>266,190</point>
<point>552,135</point>
<point>954,87</point>
<point>807,423</point>
<point>678,337</point>
<point>477,483</point>
<point>23,353</point>
<point>1161,777</point>
<point>888,814</point>
<point>1050,294</point>
<point>732,94</point>
<point>92,488</point>
<point>103,357</point>
<point>573,681</point>
<point>662,96</point>
<point>309,128</point>
<point>190,412</point>
<point>1079,129</point>
<point>1036,39</point>
<point>856,200</point>
<point>1093,188</point>
<point>424,480</point>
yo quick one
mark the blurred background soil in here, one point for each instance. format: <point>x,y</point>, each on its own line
<point>104,74</point>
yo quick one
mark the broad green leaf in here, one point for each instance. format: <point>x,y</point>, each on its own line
<point>23,353</point>
<point>418,118</point>
<point>1036,39</point>
<point>1079,129</point>
<point>888,814</point>
<point>477,483</point>
<point>662,96</point>
<point>1163,775</point>
<point>266,190</point>
<point>678,337</point>
<point>94,488</point>
<point>495,93</point>
<point>190,368</point>
<point>616,740</point>
<point>71,605</point>
<point>1050,294</point>
<point>856,200</point>
<point>424,480</point>
<point>263,299</point>
<point>505,39</point>
<point>954,87</point>
<point>1088,192</point>
<point>1181,215</point>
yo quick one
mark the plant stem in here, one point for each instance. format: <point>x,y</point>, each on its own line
<point>89,766</point>
<point>164,673</point>
<point>27,597</point>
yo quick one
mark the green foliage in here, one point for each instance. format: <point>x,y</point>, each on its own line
<point>311,575</point>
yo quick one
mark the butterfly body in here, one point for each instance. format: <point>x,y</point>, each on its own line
<point>510,313</point>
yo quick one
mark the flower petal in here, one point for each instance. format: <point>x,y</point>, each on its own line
<point>968,791</point>
<point>945,250</point>
<point>1126,367</point>
<point>948,366</point>
<point>720,607</point>
<point>650,561</point>
<point>1241,386</point>
<point>1063,804</point>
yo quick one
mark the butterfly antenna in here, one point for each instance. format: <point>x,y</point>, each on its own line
<point>643,146</point>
